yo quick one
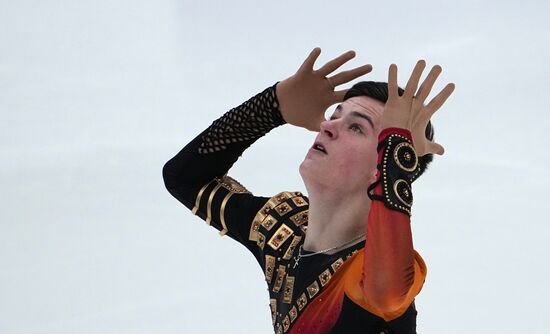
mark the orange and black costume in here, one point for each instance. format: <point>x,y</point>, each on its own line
<point>324,293</point>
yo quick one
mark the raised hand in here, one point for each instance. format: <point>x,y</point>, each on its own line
<point>409,112</point>
<point>305,96</point>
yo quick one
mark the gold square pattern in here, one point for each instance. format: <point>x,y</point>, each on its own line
<point>293,314</point>
<point>279,279</point>
<point>269,222</point>
<point>299,201</point>
<point>273,307</point>
<point>280,236</point>
<point>325,277</point>
<point>287,291</point>
<point>286,323</point>
<point>290,250</point>
<point>269,267</point>
<point>253,235</point>
<point>337,264</point>
<point>261,240</point>
<point>300,218</point>
<point>282,196</point>
<point>302,301</point>
<point>282,208</point>
<point>312,289</point>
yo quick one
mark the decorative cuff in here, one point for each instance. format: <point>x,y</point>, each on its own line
<point>397,166</point>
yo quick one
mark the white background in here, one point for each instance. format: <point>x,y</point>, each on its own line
<point>95,96</point>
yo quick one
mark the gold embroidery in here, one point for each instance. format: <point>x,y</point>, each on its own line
<point>287,291</point>
<point>286,323</point>
<point>325,277</point>
<point>312,289</point>
<point>280,236</point>
<point>253,235</point>
<point>290,250</point>
<point>302,301</point>
<point>222,213</point>
<point>264,211</point>
<point>260,216</point>
<point>273,306</point>
<point>300,218</point>
<point>282,208</point>
<point>299,201</point>
<point>209,205</point>
<point>337,264</point>
<point>198,200</point>
<point>269,266</point>
<point>261,240</point>
<point>282,196</point>
<point>293,314</point>
<point>407,156</point>
<point>279,280</point>
<point>232,185</point>
<point>269,222</point>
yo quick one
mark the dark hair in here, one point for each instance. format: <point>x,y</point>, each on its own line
<point>379,91</point>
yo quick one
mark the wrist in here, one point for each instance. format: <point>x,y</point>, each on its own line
<point>395,130</point>
<point>397,165</point>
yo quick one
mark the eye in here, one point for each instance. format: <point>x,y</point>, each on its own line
<point>356,126</point>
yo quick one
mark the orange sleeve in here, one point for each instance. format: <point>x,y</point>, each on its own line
<point>393,272</point>
<point>354,290</point>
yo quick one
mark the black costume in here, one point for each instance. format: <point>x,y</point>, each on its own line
<point>318,295</point>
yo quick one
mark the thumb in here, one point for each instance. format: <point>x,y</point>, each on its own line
<point>435,148</point>
<point>339,95</point>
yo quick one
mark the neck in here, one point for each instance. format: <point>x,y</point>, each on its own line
<point>335,218</point>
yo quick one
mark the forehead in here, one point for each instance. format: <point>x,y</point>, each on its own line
<point>363,104</point>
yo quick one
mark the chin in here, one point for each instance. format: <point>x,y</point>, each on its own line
<point>305,171</point>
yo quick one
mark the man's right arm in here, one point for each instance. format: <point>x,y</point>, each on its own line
<point>197,175</point>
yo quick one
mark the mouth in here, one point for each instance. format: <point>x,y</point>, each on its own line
<point>319,147</point>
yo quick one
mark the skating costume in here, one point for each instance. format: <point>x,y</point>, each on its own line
<point>322,293</point>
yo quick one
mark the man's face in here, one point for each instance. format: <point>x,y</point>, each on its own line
<point>349,137</point>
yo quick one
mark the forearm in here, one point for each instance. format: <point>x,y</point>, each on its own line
<point>213,152</point>
<point>389,256</point>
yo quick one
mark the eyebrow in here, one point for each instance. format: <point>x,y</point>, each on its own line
<point>357,114</point>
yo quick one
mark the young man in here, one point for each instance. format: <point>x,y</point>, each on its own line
<point>341,259</point>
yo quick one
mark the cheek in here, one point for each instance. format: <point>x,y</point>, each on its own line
<point>358,161</point>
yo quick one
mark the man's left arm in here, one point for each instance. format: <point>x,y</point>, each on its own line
<point>393,272</point>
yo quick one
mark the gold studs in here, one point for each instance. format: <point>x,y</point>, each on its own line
<point>312,289</point>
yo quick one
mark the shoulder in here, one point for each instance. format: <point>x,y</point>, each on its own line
<point>279,210</point>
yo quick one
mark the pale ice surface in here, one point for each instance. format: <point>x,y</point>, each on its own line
<point>95,96</point>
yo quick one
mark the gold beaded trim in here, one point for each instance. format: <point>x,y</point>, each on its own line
<point>232,185</point>
<point>407,156</point>
<point>396,191</point>
<point>385,176</point>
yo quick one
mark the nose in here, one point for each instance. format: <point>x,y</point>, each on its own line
<point>328,128</point>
